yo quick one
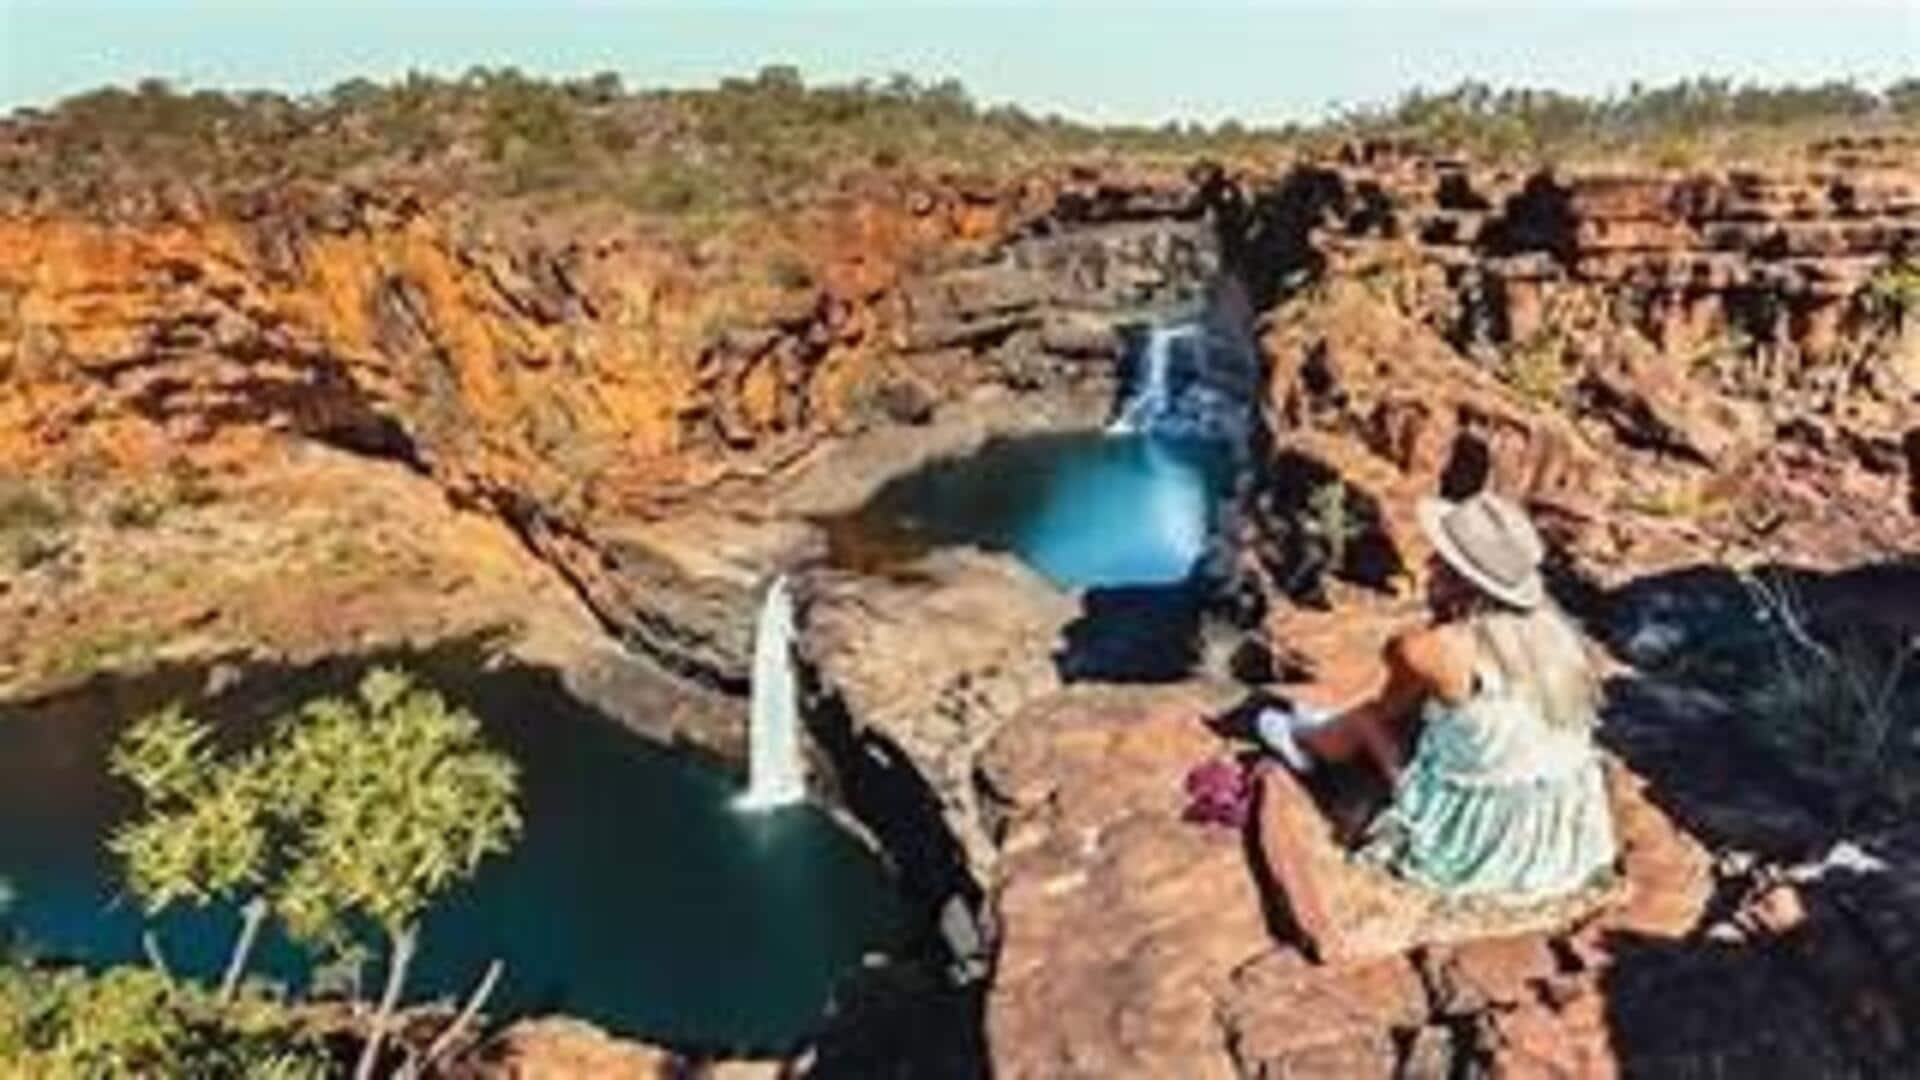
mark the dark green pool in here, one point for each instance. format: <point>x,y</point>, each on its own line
<point>636,899</point>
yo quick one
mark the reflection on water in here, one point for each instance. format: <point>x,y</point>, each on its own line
<point>1086,510</point>
<point>636,899</point>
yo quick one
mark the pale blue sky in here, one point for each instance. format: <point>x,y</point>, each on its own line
<point>1135,61</point>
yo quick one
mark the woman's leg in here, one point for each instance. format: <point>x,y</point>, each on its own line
<point>1361,732</point>
<point>1284,811</point>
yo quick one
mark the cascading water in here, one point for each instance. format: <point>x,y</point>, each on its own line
<point>774,777</point>
<point>1153,396</point>
<point>1138,506</point>
<point>1189,382</point>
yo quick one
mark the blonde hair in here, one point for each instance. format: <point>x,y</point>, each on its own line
<point>1542,660</point>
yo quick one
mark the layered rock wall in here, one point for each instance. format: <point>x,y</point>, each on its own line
<point>1712,360</point>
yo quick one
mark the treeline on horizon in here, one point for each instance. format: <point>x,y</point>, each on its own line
<point>759,140</point>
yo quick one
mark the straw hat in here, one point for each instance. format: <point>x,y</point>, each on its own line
<point>1490,542</point>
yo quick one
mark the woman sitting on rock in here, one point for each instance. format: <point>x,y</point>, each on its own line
<point>1502,797</point>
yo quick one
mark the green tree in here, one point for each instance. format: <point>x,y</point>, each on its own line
<point>66,1024</point>
<point>396,800</point>
<point>1903,98</point>
<point>204,836</point>
<point>367,807</point>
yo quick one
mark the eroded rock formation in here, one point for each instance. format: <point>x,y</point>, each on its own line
<point>1666,368</point>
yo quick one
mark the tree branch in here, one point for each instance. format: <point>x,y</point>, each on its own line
<point>150,944</point>
<point>475,1002</point>
<point>398,960</point>
<point>252,915</point>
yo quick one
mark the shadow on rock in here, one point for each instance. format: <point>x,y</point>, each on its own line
<point>1133,634</point>
<point>1719,653</point>
<point>1805,958</point>
<point>922,1016</point>
<point>1814,978</point>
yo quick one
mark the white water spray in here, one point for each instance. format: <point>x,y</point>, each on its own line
<point>1175,510</point>
<point>774,777</point>
<point>1153,392</point>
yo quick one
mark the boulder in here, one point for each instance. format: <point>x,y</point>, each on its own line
<point>1121,924</point>
<point>686,590</point>
<point>1650,403</point>
<point>931,664</point>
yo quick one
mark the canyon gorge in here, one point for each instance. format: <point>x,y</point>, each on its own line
<point>292,422</point>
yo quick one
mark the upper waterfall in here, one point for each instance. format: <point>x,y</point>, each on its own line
<point>1185,382</point>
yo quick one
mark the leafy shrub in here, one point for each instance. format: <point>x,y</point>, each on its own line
<point>358,810</point>
<point>137,509</point>
<point>26,550</point>
<point>128,1022</point>
<point>1892,294</point>
<point>24,506</point>
<point>788,271</point>
<point>1329,520</point>
<point>1538,370</point>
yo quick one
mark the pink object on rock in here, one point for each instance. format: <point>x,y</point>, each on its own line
<point>1218,794</point>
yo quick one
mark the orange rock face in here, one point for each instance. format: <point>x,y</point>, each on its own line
<point>512,364</point>
<point>1659,365</point>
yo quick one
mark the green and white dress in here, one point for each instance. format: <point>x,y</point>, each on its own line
<point>1496,803</point>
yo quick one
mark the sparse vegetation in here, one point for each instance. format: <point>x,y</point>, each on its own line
<point>1680,125</point>
<point>111,647</point>
<point>1684,498</point>
<point>788,271</point>
<point>1330,522</point>
<point>25,506</point>
<point>1720,354</point>
<point>1537,369</point>
<point>137,509</point>
<point>32,521</point>
<point>1318,535</point>
<point>1843,716</point>
<point>766,140</point>
<point>25,550</point>
<point>182,485</point>
<point>1892,295</point>
<point>751,142</point>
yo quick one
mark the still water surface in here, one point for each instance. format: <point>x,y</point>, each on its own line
<point>636,898</point>
<point>1086,509</point>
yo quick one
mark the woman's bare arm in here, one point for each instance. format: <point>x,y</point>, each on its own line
<point>1420,664</point>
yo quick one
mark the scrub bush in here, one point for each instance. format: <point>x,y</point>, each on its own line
<point>127,1022</point>
<point>1842,716</point>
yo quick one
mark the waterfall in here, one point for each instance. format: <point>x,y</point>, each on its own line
<point>1190,381</point>
<point>773,732</point>
<point>1153,381</point>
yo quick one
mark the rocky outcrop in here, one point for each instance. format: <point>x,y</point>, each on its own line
<point>925,670</point>
<point>1664,366</point>
<point>278,553</point>
<point>1120,924</point>
<point>1136,943</point>
<point>580,377</point>
<point>558,1048</point>
<point>586,375</point>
